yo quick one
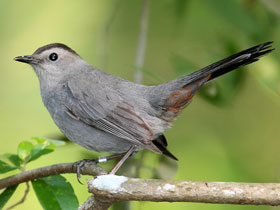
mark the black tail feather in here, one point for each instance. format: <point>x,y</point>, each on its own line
<point>232,62</point>
<point>161,144</point>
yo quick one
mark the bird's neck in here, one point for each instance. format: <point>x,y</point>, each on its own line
<point>49,83</point>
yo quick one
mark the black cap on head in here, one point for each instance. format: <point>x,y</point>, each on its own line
<point>54,45</point>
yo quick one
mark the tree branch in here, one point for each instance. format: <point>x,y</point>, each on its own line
<point>62,168</point>
<point>23,198</point>
<point>94,203</point>
<point>120,188</point>
<point>110,188</point>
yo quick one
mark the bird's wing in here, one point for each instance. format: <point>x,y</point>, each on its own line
<point>107,111</point>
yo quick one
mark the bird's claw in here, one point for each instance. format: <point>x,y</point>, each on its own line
<point>79,166</point>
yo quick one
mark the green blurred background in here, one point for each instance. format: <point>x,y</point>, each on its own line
<point>230,132</point>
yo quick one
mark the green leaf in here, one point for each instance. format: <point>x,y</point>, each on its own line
<point>24,150</point>
<point>42,147</point>
<point>13,158</point>
<point>5,167</point>
<point>39,140</point>
<point>29,152</point>
<point>55,192</point>
<point>55,142</point>
<point>6,195</point>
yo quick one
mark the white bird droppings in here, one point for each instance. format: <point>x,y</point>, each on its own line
<point>169,187</point>
<point>110,182</point>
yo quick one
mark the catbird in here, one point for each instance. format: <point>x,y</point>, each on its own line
<point>105,113</point>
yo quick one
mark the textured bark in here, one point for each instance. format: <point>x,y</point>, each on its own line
<point>93,203</point>
<point>107,189</point>
<point>88,169</point>
<point>188,191</point>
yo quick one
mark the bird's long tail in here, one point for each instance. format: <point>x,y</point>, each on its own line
<point>170,98</point>
<point>232,62</point>
<point>173,96</point>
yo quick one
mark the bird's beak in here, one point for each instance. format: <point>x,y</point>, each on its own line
<point>30,59</point>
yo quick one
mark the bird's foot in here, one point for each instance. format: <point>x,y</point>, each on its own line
<point>103,159</point>
<point>80,164</point>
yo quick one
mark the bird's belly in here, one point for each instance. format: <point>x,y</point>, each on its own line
<point>89,137</point>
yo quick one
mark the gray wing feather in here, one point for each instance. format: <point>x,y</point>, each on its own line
<point>104,109</point>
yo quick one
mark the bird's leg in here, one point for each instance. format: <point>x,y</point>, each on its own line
<point>125,156</point>
<point>103,159</point>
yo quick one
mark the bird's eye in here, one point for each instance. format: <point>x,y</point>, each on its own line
<point>53,57</point>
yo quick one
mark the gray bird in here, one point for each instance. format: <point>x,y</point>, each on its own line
<point>105,113</point>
